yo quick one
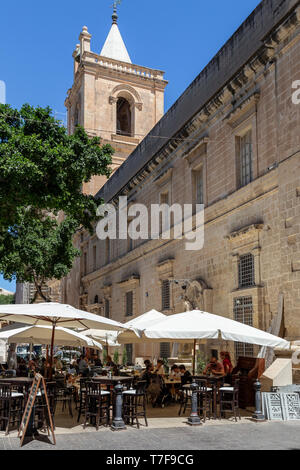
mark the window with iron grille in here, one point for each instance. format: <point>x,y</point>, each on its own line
<point>246,271</point>
<point>165,350</point>
<point>129,304</point>
<point>165,295</point>
<point>245,155</point>
<point>106,308</point>
<point>243,313</point>
<point>129,353</point>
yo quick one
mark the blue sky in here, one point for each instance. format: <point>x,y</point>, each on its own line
<point>38,38</point>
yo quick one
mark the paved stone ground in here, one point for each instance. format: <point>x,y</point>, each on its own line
<point>253,436</point>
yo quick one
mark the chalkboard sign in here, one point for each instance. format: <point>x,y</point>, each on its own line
<point>38,382</point>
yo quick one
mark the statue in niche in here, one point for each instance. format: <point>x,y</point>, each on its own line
<point>194,295</point>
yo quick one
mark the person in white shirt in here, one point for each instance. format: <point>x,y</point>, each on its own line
<point>175,372</point>
<point>160,370</point>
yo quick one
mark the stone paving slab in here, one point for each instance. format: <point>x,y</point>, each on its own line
<point>248,435</point>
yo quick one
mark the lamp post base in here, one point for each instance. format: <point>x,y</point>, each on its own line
<point>119,426</point>
<point>259,417</point>
<point>194,421</point>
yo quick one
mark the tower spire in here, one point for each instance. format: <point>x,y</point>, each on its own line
<point>114,47</point>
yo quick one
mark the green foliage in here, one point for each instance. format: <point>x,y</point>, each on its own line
<point>116,357</point>
<point>104,355</point>
<point>42,169</point>
<point>200,363</point>
<point>7,299</point>
<point>166,365</point>
<point>124,357</point>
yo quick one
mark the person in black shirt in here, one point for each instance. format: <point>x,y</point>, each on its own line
<point>186,376</point>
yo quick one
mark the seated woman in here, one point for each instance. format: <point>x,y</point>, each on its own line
<point>228,367</point>
<point>159,369</point>
<point>175,372</point>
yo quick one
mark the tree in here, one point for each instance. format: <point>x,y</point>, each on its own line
<point>7,299</point>
<point>42,169</point>
<point>124,357</point>
<point>116,357</point>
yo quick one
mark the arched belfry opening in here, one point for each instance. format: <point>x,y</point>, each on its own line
<point>124,117</point>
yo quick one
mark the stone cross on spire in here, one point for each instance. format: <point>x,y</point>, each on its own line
<point>115,15</point>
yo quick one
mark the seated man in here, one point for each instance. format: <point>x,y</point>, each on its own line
<point>214,367</point>
<point>186,376</point>
<point>147,374</point>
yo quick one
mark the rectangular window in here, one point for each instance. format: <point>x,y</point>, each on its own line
<point>106,308</point>
<point>94,257</point>
<point>245,159</point>
<point>129,353</point>
<point>165,295</point>
<point>164,218</point>
<point>165,350</point>
<point>246,271</point>
<point>243,313</point>
<point>198,187</point>
<point>129,239</point>
<point>129,304</point>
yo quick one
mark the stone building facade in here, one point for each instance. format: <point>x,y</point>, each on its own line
<point>231,142</point>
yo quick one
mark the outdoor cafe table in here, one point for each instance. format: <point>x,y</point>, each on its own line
<point>20,382</point>
<point>23,384</point>
<point>112,381</point>
<point>172,383</point>
<point>215,381</point>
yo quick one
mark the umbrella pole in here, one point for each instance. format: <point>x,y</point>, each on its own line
<point>51,349</point>
<point>106,346</point>
<point>194,357</point>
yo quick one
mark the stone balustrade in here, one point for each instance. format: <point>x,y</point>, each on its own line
<point>123,66</point>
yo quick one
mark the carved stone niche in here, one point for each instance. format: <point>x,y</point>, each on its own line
<point>198,296</point>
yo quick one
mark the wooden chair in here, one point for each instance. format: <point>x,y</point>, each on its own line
<point>97,404</point>
<point>229,400</point>
<point>82,397</point>
<point>205,398</point>
<point>11,407</point>
<point>134,404</point>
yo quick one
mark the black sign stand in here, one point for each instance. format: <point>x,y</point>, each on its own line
<point>38,382</point>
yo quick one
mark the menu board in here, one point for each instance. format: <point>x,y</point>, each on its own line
<point>37,383</point>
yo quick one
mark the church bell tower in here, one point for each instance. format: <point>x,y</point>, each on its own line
<point>112,98</point>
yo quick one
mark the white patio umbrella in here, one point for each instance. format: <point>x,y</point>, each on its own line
<point>103,336</point>
<point>195,324</point>
<point>136,327</point>
<point>56,314</point>
<point>42,335</point>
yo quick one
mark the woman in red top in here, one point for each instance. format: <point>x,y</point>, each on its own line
<point>225,356</point>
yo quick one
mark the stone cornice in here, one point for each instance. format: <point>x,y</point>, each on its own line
<point>231,93</point>
<point>132,282</point>
<point>250,231</point>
